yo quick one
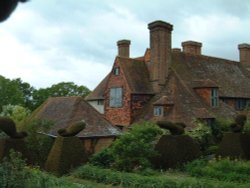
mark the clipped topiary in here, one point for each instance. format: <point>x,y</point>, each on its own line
<point>175,150</point>
<point>73,129</point>
<point>8,126</point>
<point>235,146</point>
<point>15,141</point>
<point>66,153</point>
<point>174,128</point>
<point>239,123</point>
<point>8,144</point>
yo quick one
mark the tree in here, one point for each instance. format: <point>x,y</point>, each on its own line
<point>15,112</point>
<point>10,93</point>
<point>15,92</point>
<point>61,89</point>
<point>27,91</point>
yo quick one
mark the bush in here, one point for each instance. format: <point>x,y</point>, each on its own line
<point>133,150</point>
<point>12,173</point>
<point>37,143</point>
<point>224,170</point>
<point>103,158</point>
<point>202,134</point>
<point>66,153</point>
<point>175,150</point>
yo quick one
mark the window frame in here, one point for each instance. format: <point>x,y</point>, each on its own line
<point>240,104</point>
<point>116,97</point>
<point>214,97</point>
<point>116,71</point>
<point>158,111</point>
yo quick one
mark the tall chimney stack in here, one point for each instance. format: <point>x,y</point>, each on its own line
<point>245,55</point>
<point>123,48</point>
<point>192,47</point>
<point>160,52</point>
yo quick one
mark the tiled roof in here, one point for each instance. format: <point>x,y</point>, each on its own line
<point>186,105</point>
<point>63,111</point>
<point>136,74</point>
<point>229,76</point>
<point>98,92</point>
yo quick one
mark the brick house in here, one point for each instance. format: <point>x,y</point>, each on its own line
<point>172,84</point>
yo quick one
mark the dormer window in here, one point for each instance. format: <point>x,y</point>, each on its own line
<point>214,97</point>
<point>158,111</point>
<point>116,71</point>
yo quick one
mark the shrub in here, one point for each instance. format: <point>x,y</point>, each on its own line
<point>37,143</point>
<point>175,150</point>
<point>235,145</point>
<point>103,158</point>
<point>224,170</point>
<point>135,148</point>
<point>15,112</point>
<point>12,173</point>
<point>202,134</point>
<point>66,153</point>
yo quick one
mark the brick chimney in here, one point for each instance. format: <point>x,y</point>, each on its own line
<point>245,55</point>
<point>160,49</point>
<point>123,48</point>
<point>192,47</point>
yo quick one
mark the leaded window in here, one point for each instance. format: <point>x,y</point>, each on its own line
<point>214,97</point>
<point>115,97</point>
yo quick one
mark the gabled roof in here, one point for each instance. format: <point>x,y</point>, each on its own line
<point>228,75</point>
<point>98,92</point>
<point>63,111</point>
<point>187,105</point>
<point>136,74</point>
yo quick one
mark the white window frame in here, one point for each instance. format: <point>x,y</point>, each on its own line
<point>158,111</point>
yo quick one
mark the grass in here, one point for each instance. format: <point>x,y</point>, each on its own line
<point>169,179</point>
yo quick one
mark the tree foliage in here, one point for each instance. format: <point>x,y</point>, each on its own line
<point>15,112</point>
<point>61,89</point>
<point>17,92</point>
<point>10,93</point>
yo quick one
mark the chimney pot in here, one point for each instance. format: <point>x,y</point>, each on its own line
<point>192,47</point>
<point>123,48</point>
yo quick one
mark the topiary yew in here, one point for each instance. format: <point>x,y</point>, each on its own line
<point>66,153</point>
<point>175,150</point>
<point>73,129</point>
<point>239,123</point>
<point>8,126</point>
<point>174,128</point>
<point>234,145</point>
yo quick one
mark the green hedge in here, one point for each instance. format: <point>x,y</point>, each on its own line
<point>132,180</point>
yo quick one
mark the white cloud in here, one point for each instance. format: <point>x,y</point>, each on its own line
<point>46,42</point>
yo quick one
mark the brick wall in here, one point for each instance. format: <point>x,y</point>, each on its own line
<point>138,102</point>
<point>122,115</point>
<point>205,94</point>
<point>94,145</point>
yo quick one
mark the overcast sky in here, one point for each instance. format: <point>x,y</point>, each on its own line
<point>45,42</point>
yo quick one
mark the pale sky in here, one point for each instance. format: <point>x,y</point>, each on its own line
<point>45,42</point>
